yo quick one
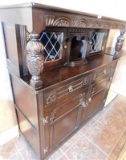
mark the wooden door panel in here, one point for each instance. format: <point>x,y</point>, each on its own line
<point>63,127</point>
<point>96,103</point>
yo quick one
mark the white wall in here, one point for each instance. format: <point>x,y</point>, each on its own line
<point>109,8</point>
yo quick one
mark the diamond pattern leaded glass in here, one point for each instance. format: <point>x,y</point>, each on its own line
<point>52,42</point>
<point>96,41</point>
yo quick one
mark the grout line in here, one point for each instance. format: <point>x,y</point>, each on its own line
<point>96,146</point>
<point>13,155</point>
<point>21,155</point>
<point>64,155</point>
<point>72,144</point>
<point>117,141</point>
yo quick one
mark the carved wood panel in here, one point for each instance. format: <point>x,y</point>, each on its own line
<point>71,20</point>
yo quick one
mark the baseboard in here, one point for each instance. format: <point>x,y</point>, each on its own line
<point>9,135</point>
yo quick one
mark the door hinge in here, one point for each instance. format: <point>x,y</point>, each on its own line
<point>45,150</point>
<point>45,120</point>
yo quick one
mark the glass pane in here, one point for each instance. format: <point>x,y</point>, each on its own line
<point>52,42</point>
<point>96,41</point>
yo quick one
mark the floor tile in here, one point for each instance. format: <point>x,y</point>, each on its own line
<point>21,143</point>
<point>28,154</point>
<point>85,150</point>
<point>16,157</point>
<point>87,126</point>
<point>118,147</point>
<point>8,150</point>
<point>102,137</point>
<point>114,119</point>
<point>71,141</point>
<point>56,155</point>
<point>64,158</point>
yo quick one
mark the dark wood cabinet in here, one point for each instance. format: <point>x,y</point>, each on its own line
<point>59,70</point>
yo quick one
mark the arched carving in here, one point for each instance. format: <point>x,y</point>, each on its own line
<point>53,21</point>
<point>96,24</point>
<point>79,23</point>
<point>66,20</point>
<point>62,21</point>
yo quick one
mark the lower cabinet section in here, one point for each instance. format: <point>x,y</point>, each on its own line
<point>66,117</point>
<point>63,121</point>
<point>48,120</point>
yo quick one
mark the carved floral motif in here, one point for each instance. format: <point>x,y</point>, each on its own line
<point>51,97</point>
<point>35,59</point>
<point>35,65</point>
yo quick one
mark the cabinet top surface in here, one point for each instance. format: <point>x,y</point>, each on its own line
<point>52,8</point>
<point>59,74</point>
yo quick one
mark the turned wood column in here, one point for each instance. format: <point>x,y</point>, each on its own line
<point>35,60</point>
<point>119,44</point>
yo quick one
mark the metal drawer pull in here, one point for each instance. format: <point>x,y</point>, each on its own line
<point>105,71</point>
<point>70,89</point>
<point>89,99</point>
<point>45,120</point>
<point>83,103</point>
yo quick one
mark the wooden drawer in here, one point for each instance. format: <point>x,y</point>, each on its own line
<point>66,90</point>
<point>97,87</point>
<point>53,112</point>
<point>104,72</point>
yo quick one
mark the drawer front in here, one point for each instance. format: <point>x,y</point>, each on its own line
<point>66,90</point>
<point>104,72</point>
<point>54,112</point>
<point>71,87</point>
<point>97,87</point>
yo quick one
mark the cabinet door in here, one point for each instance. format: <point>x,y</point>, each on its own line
<point>97,97</point>
<point>62,122</point>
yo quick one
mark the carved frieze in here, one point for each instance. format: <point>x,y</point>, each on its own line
<point>67,20</point>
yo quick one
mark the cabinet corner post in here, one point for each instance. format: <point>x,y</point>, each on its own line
<point>35,59</point>
<point>119,43</point>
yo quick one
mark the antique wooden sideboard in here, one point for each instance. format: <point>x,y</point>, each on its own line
<point>60,69</point>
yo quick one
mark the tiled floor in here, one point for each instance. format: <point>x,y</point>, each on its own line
<point>102,138</point>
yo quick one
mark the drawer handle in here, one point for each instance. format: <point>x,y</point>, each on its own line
<point>90,99</point>
<point>70,89</point>
<point>105,71</point>
<point>83,103</point>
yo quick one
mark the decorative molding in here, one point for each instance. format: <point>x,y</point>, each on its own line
<point>67,20</point>
<point>51,97</point>
<point>50,20</point>
<point>35,60</point>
